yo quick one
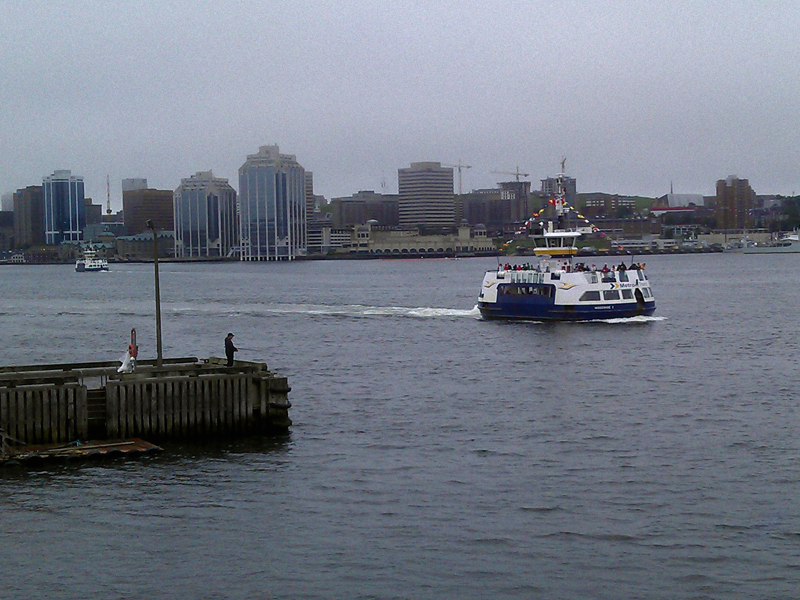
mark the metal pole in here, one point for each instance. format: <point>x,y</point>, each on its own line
<point>160,359</point>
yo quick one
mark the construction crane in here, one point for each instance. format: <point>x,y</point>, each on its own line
<point>516,173</point>
<point>459,166</point>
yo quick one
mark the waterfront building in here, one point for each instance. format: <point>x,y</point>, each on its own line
<point>205,217</point>
<point>272,206</point>
<point>64,207</point>
<point>29,217</point>
<point>364,206</point>
<point>142,204</point>
<point>371,240</point>
<point>734,204</point>
<point>426,195</point>
<point>140,246</point>
<point>323,238</point>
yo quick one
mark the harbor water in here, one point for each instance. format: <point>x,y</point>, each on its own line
<point>433,454</point>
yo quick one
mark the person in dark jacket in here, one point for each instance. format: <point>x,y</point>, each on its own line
<point>230,349</point>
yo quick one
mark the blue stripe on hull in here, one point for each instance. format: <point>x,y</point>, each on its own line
<point>541,311</point>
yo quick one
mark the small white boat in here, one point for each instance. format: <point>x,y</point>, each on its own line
<point>90,261</point>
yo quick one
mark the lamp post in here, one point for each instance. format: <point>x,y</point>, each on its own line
<point>160,360</point>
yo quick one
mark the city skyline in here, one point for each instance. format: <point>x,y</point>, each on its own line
<point>638,97</point>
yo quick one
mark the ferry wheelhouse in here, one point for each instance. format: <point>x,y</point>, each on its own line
<point>559,288</point>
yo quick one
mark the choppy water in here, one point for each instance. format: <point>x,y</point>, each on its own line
<point>434,455</point>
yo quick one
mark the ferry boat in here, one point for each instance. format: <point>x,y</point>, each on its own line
<point>90,261</point>
<point>558,288</point>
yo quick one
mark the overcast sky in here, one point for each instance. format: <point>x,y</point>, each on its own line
<point>636,95</point>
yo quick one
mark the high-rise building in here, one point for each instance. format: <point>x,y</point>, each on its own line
<point>134,183</point>
<point>364,206</point>
<point>734,203</point>
<point>64,207</point>
<point>309,181</point>
<point>426,195</point>
<point>205,217</point>
<point>141,204</point>
<point>272,206</point>
<point>550,187</point>
<point>28,217</point>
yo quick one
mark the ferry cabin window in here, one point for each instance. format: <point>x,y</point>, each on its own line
<point>590,296</point>
<point>611,294</point>
<point>623,275</point>
<point>627,294</point>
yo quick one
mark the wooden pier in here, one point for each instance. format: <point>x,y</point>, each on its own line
<point>184,398</point>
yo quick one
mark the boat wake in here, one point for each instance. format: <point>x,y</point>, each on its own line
<point>347,310</point>
<point>358,310</point>
<point>639,319</point>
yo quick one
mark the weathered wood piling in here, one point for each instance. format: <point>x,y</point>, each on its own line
<point>184,398</point>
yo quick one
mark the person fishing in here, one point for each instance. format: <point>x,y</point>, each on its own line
<point>230,349</point>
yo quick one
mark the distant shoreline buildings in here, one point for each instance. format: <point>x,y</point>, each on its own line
<point>276,216</point>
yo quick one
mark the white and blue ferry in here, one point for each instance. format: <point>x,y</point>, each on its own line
<point>558,288</point>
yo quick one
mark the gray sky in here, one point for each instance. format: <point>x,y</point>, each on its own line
<point>635,94</point>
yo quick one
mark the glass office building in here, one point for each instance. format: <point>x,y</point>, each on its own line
<point>64,208</point>
<point>206,223</point>
<point>272,206</point>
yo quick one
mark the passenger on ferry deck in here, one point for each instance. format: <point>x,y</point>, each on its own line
<point>605,269</point>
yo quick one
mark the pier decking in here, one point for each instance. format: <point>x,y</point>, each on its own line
<point>184,398</point>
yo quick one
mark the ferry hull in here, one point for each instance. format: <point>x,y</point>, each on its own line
<point>554,312</point>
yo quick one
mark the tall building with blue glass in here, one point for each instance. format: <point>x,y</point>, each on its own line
<point>206,223</point>
<point>272,206</point>
<point>64,207</point>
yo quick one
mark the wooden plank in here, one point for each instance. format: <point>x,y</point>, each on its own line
<point>14,415</point>
<point>136,390</point>
<point>169,408</point>
<point>60,404</point>
<point>53,400</point>
<point>226,405</point>
<point>236,403</point>
<point>152,391</point>
<point>30,433</point>
<point>4,410</point>
<point>218,398</point>
<point>82,411</point>
<point>161,397</point>
<point>72,429</point>
<point>206,403</point>
<point>112,411</point>
<point>248,403</point>
<point>130,410</point>
<point>188,407</point>
<point>44,416</point>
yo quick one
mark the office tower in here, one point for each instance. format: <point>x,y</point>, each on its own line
<point>272,206</point>
<point>734,203</point>
<point>426,195</point>
<point>141,204</point>
<point>29,217</point>
<point>309,181</point>
<point>134,183</point>
<point>550,187</point>
<point>205,217</point>
<point>64,208</point>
